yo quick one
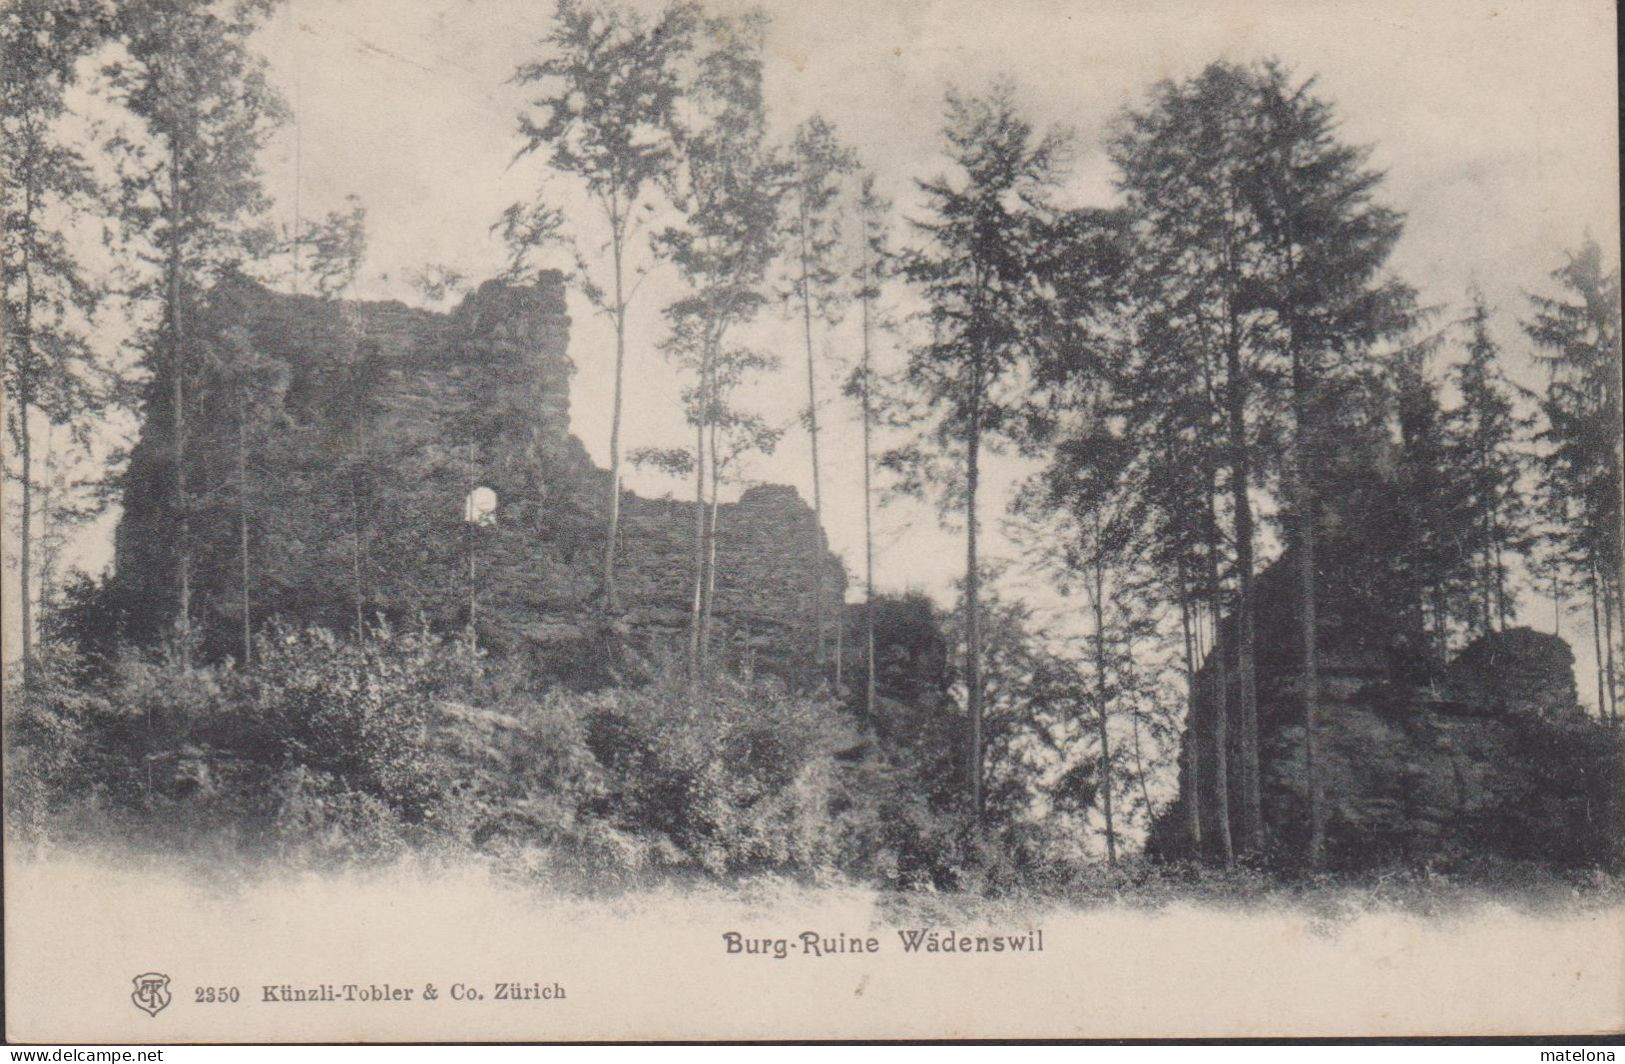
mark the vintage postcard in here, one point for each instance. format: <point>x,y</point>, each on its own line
<point>555,520</point>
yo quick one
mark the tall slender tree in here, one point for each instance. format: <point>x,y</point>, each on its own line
<point>251,385</point>
<point>975,274</point>
<point>732,434</point>
<point>1256,251</point>
<point>1325,242</point>
<point>1577,334</point>
<point>335,248</point>
<point>875,260</point>
<point>189,190</point>
<point>1182,165</point>
<point>730,186</point>
<point>1488,433</point>
<point>1093,523</point>
<point>815,288</point>
<point>1433,565</point>
<point>609,88</point>
<point>49,371</point>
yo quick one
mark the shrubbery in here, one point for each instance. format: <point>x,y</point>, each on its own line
<point>326,750</point>
<point>322,747</point>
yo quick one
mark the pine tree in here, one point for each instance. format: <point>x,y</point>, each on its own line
<point>1324,242</point>
<point>1255,250</point>
<point>1487,434</point>
<point>1578,337</point>
<point>1164,398</point>
<point>1183,164</point>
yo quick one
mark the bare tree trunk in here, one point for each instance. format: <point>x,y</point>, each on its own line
<point>25,573</point>
<point>1614,390</point>
<point>698,604</point>
<point>1101,697</point>
<point>1609,598</point>
<point>25,447</point>
<point>177,335</point>
<point>611,597</point>
<point>973,638</point>
<point>1199,632</point>
<point>711,549</point>
<point>1193,733</point>
<point>1308,628</point>
<point>840,648</point>
<point>1441,625</point>
<point>470,549</point>
<point>1139,762</point>
<point>242,524</point>
<point>356,596</point>
<point>1252,815</point>
<point>1596,644</point>
<point>1503,611</point>
<point>819,579</point>
<point>1308,623</point>
<point>1221,692</point>
<point>869,656</point>
<point>868,504</point>
<point>50,546</point>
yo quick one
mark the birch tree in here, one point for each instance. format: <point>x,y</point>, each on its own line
<point>875,261</point>
<point>190,191</point>
<point>730,186</point>
<point>605,115</point>
<point>813,240</point>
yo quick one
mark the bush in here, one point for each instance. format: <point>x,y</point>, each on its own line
<point>736,775</point>
<point>332,751</point>
<point>46,742</point>
<point>328,751</point>
<point>358,715</point>
<point>322,743</point>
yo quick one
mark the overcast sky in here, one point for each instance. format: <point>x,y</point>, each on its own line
<point>1494,121</point>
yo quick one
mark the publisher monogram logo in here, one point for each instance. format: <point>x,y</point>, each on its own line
<point>151,994</point>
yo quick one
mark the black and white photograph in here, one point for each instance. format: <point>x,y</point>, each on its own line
<point>670,520</point>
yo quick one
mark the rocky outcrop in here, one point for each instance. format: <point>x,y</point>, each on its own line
<point>367,425</point>
<point>1486,755</point>
<point>1495,760</point>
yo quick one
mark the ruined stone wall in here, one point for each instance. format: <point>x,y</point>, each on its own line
<point>388,416</point>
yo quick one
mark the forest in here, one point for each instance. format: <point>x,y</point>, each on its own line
<point>1322,553</point>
